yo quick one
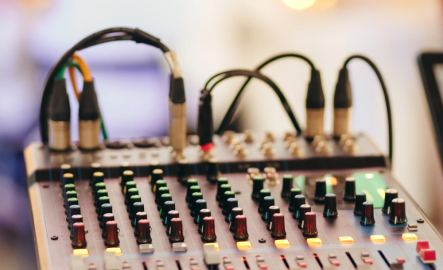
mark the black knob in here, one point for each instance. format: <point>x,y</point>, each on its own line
<point>278,230</point>
<point>65,168</point>
<point>136,207</point>
<point>152,167</point>
<point>97,177</point>
<point>367,217</point>
<point>298,201</point>
<point>129,185</point>
<point>68,187</point>
<point>160,191</point>
<point>257,185</point>
<point>320,191</point>
<point>176,231</point>
<point>268,201</point>
<point>104,209</point>
<point>69,202</point>
<point>143,230</point>
<point>127,176</point>
<point>111,234</point>
<point>78,235</point>
<point>130,192</point>
<point>233,222</point>
<point>67,178</point>
<point>194,197</point>
<point>221,181</point>
<point>241,232</point>
<point>349,195</point>
<point>310,228</point>
<point>189,184</point>
<point>294,192</point>
<point>203,213</point>
<point>106,217</point>
<point>208,234</point>
<point>95,167</point>
<point>70,194</point>
<point>183,171</point>
<point>139,216</point>
<point>212,170</point>
<point>132,200</point>
<point>100,193</point>
<point>226,196</point>
<point>390,194</point>
<point>223,189</point>
<point>125,166</point>
<point>330,209</point>
<point>73,210</point>
<point>74,219</point>
<point>198,205</point>
<point>167,206</point>
<point>263,193</point>
<point>271,212</point>
<point>398,212</point>
<point>98,186</point>
<point>304,208</point>
<point>287,186</point>
<point>158,184</point>
<point>360,198</point>
<point>230,204</point>
<point>156,175</point>
<point>163,199</point>
<point>171,214</point>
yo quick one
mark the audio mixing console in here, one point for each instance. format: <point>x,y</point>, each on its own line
<point>273,203</point>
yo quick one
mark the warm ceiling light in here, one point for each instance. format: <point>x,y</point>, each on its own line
<point>299,4</point>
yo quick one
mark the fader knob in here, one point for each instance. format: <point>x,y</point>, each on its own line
<point>271,212</point>
<point>111,235</point>
<point>171,214</point>
<point>221,181</point>
<point>360,198</point>
<point>143,230</point>
<point>189,184</point>
<point>390,194</point>
<point>287,186</point>
<point>330,210</point>
<point>241,232</point>
<point>349,195</point>
<point>304,208</point>
<point>233,221</point>
<point>263,193</point>
<point>257,185</point>
<point>294,192</point>
<point>231,203</point>
<point>139,216</point>
<point>212,171</point>
<point>278,230</point>
<point>398,212</point>
<point>198,205</point>
<point>106,217</point>
<point>203,213</point>
<point>78,235</point>
<point>183,171</point>
<point>208,234</point>
<point>298,201</point>
<point>310,228</point>
<point>176,231</point>
<point>267,202</point>
<point>320,191</point>
<point>367,217</point>
<point>167,206</point>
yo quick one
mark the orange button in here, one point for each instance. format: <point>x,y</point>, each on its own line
<point>314,242</point>
<point>346,240</point>
<point>244,245</point>
<point>378,238</point>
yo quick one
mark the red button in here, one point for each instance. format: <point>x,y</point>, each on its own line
<point>422,245</point>
<point>428,255</point>
<point>367,261</point>
<point>401,260</point>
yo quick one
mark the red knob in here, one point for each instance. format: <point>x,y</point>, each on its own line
<point>278,230</point>
<point>111,234</point>
<point>143,232</point>
<point>310,228</point>
<point>208,234</point>
<point>78,235</point>
<point>241,234</point>
<point>176,231</point>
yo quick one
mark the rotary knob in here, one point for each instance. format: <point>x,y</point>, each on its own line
<point>232,219</point>
<point>157,174</point>
<point>183,171</point>
<point>203,213</point>
<point>104,209</point>
<point>320,191</point>
<point>360,198</point>
<point>310,228</point>
<point>111,234</point>
<point>227,195</point>
<point>223,188</point>
<point>257,185</point>
<point>167,206</point>
<point>143,230</point>
<point>212,171</point>
<point>278,230</point>
<point>192,190</point>
<point>127,176</point>
<point>263,193</point>
<point>287,186</point>
<point>190,183</point>
<point>221,181</point>
<point>176,231</point>
<point>78,235</point>
<point>97,177</point>
<point>129,192</point>
<point>271,212</point>
<point>294,192</point>
<point>229,204</point>
<point>106,217</point>
<point>75,219</point>
<point>367,217</point>
<point>208,234</point>
<point>398,211</point>
<point>298,201</point>
<point>73,210</point>
<point>304,208</point>
<point>136,207</point>
<point>198,205</point>
<point>171,214</point>
<point>160,191</point>
<point>241,232</point>
<point>267,202</point>
<point>330,210</point>
<point>139,216</point>
<point>158,184</point>
<point>194,197</point>
<point>390,194</point>
<point>349,195</point>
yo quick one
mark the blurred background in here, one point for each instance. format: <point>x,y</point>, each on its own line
<point>211,36</point>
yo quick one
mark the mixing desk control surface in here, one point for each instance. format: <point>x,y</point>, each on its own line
<point>256,212</point>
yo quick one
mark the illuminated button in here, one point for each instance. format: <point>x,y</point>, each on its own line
<point>314,242</point>
<point>409,237</point>
<point>216,245</point>
<point>282,243</point>
<point>378,239</point>
<point>244,245</point>
<point>116,250</point>
<point>81,251</point>
<point>346,240</point>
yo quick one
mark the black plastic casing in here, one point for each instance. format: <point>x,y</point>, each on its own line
<point>315,98</point>
<point>205,125</point>
<point>343,90</point>
<point>59,107</point>
<point>88,104</point>
<point>177,90</point>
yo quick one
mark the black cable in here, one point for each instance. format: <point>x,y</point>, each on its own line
<point>100,37</point>
<point>386,96</point>
<point>234,105</point>
<point>267,80</point>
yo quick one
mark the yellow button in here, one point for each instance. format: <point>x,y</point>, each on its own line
<point>281,244</point>
<point>116,250</point>
<point>216,245</point>
<point>81,251</point>
<point>245,245</point>
<point>409,237</point>
<point>314,242</point>
<point>378,239</point>
<point>346,240</point>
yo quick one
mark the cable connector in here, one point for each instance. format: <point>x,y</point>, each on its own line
<point>205,127</point>
<point>140,36</point>
<point>59,121</point>
<point>315,106</point>
<point>89,118</point>
<point>342,105</point>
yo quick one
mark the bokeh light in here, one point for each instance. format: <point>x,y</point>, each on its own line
<point>299,4</point>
